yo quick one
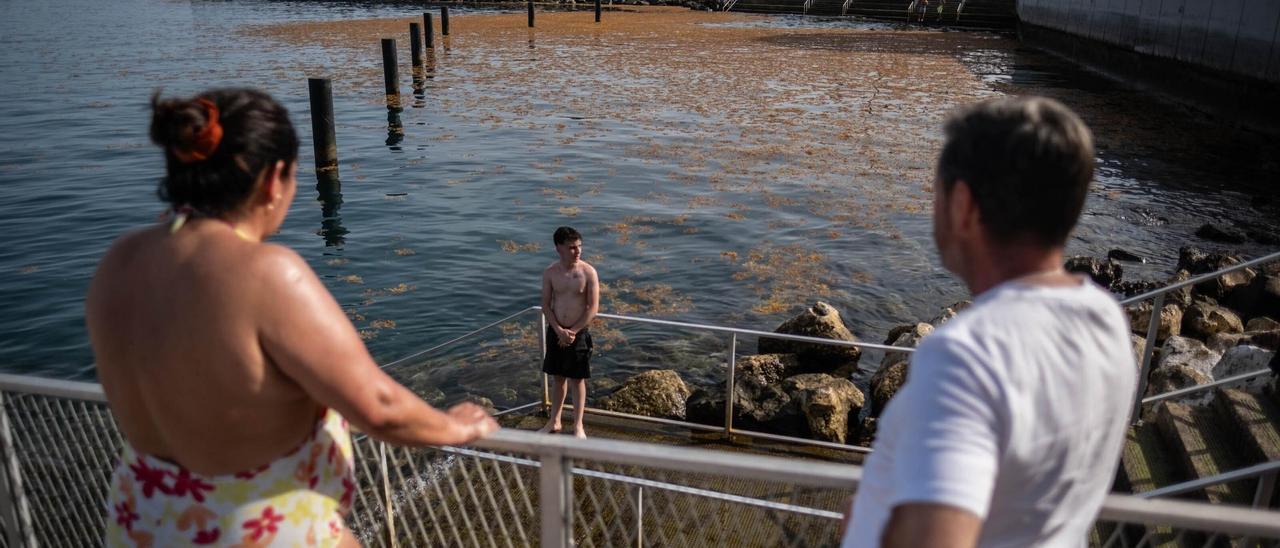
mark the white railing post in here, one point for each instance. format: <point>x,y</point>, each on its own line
<point>555,491</point>
<point>542,355</point>
<point>1266,488</point>
<point>386,490</point>
<point>728,387</point>
<point>1153,328</point>
<point>639,516</point>
<point>14,509</point>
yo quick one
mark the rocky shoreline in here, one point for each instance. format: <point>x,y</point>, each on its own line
<point>1208,331</point>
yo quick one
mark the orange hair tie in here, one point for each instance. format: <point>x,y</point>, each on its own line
<point>206,142</point>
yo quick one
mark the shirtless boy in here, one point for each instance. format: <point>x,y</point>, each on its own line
<point>570,300</point>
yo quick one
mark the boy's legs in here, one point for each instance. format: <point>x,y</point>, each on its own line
<point>579,406</point>
<point>557,405</point>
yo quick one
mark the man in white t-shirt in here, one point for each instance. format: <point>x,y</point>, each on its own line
<point>1009,427</point>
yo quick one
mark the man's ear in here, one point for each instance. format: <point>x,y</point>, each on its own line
<point>963,209</point>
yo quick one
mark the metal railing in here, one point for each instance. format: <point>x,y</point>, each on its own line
<point>727,428</point>
<point>519,489</point>
<point>1157,297</point>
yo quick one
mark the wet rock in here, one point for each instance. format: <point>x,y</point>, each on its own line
<point>1103,272</point>
<point>759,371</point>
<point>1269,297</point>
<point>1217,233</point>
<point>1204,319</point>
<point>1170,319</point>
<point>821,321</point>
<point>827,403</point>
<point>948,313</point>
<point>1262,323</point>
<point>1243,359</point>
<point>1197,262</point>
<point>885,384</point>
<point>1188,352</point>
<point>907,336</point>
<point>866,432</point>
<point>888,379</point>
<point>1122,255</point>
<point>659,393</point>
<point>1181,297</point>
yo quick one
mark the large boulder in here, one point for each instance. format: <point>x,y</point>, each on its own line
<point>1223,234</point>
<point>1205,319</point>
<point>1181,296</point>
<point>828,404</point>
<point>1198,262</point>
<point>1104,272</point>
<point>1269,297</point>
<point>866,432</point>
<point>659,393</point>
<point>888,379</point>
<point>767,408</point>
<point>1262,323</point>
<point>885,383</point>
<point>1269,340</point>
<point>820,321</point>
<point>1243,359</point>
<point>1190,353</point>
<point>1174,377</point>
<point>1170,319</point>
<point>759,371</point>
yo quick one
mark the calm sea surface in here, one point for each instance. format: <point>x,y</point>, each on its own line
<point>443,220</point>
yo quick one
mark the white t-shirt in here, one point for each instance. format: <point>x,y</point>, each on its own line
<point>1015,411</point>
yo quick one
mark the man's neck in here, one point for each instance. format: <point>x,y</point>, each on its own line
<point>1001,264</point>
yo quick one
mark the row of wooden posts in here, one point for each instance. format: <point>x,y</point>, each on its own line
<point>321,89</point>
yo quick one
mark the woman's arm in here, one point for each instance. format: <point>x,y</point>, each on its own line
<point>307,335</point>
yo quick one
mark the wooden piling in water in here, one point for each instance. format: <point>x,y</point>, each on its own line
<point>323,137</point>
<point>530,3</point>
<point>428,30</point>
<point>597,11</point>
<point>444,20</point>
<point>415,44</point>
<point>390,72</point>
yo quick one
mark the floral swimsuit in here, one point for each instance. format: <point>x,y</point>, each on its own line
<point>299,499</point>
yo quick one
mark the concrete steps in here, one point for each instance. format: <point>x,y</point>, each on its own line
<point>1205,448</point>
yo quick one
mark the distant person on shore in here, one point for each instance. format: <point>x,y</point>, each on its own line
<point>1009,427</point>
<point>226,363</point>
<point>922,9</point>
<point>570,300</point>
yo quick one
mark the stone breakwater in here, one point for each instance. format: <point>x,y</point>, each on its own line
<point>1208,331</point>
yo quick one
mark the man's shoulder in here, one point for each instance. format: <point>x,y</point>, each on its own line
<point>586,267</point>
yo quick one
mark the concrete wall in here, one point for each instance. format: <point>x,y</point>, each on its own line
<point>1235,36</point>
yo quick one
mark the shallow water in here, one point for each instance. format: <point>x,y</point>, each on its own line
<point>725,169</point>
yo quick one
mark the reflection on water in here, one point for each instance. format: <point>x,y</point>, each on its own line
<point>329,194</point>
<point>395,129</point>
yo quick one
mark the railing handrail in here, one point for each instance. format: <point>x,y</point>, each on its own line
<point>756,332</point>
<point>1256,470</point>
<point>1200,278</point>
<point>459,338</point>
<point>1202,387</point>
<point>1125,508</point>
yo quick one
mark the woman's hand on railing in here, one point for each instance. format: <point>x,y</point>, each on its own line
<point>473,420</point>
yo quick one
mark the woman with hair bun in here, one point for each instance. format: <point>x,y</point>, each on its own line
<point>227,364</point>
